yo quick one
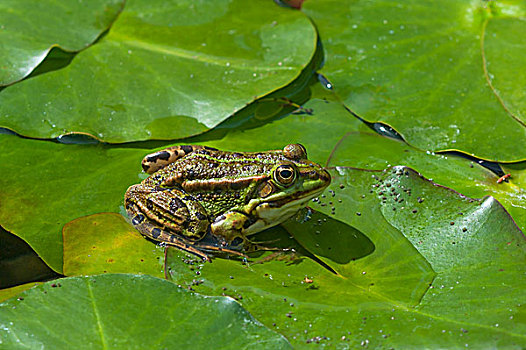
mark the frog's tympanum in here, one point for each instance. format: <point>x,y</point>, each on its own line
<point>196,192</point>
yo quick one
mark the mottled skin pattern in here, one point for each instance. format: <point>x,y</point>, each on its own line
<point>196,191</point>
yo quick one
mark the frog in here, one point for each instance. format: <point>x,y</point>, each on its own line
<point>204,200</point>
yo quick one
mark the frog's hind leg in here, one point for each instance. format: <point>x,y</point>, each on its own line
<point>251,247</point>
<point>220,250</point>
<point>159,234</point>
<point>158,160</point>
<point>189,248</point>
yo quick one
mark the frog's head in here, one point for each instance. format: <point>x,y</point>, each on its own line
<point>293,181</point>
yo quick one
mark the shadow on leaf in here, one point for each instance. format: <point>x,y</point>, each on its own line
<point>330,238</point>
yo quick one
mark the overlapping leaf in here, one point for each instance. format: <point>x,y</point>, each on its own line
<point>387,286</point>
<point>465,176</point>
<point>127,311</point>
<point>366,304</point>
<point>111,170</point>
<point>75,181</point>
<point>445,75</point>
<point>166,70</point>
<point>45,185</point>
<point>105,242</point>
<point>29,29</point>
<point>393,261</point>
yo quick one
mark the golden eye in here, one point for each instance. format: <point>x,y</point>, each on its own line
<point>285,174</point>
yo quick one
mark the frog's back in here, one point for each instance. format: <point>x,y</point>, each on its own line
<point>216,165</point>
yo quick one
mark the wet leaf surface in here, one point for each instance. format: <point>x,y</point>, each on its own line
<point>149,78</point>
<point>106,243</point>
<point>31,29</point>
<point>427,284</point>
<point>45,185</point>
<point>8,293</point>
<point>445,76</point>
<point>368,150</point>
<point>111,170</point>
<point>127,311</point>
<point>19,263</point>
<point>385,258</point>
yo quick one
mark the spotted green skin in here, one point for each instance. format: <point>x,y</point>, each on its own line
<point>196,191</point>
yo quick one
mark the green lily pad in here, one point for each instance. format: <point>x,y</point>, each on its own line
<point>31,29</point>
<point>501,41</point>
<point>463,175</point>
<point>390,298</point>
<point>8,293</point>
<point>67,182</point>
<point>166,70</point>
<point>388,285</point>
<point>19,263</point>
<point>106,243</point>
<point>445,75</point>
<point>318,131</point>
<point>98,176</point>
<point>127,311</point>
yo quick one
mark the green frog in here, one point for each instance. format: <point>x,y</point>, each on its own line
<point>201,199</point>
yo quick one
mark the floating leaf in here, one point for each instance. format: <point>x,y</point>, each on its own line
<point>445,75</point>
<point>105,242</point>
<point>8,293</point>
<point>461,174</point>
<point>45,185</point>
<point>391,298</point>
<point>127,311</point>
<point>166,70</point>
<point>29,29</point>
<point>19,263</point>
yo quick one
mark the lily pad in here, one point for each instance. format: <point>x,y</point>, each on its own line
<point>445,75</point>
<point>376,301</point>
<point>97,176</point>
<point>106,243</point>
<point>68,181</point>
<point>166,70</point>
<point>319,131</point>
<point>8,293</point>
<point>19,263</point>
<point>333,136</point>
<point>31,29</point>
<point>127,311</point>
<point>388,284</point>
<point>461,174</point>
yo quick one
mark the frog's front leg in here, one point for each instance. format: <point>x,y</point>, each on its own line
<point>158,160</point>
<point>230,226</point>
<point>234,225</point>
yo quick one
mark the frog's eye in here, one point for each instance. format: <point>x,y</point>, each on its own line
<point>285,174</point>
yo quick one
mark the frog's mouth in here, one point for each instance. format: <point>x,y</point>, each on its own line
<point>272,213</point>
